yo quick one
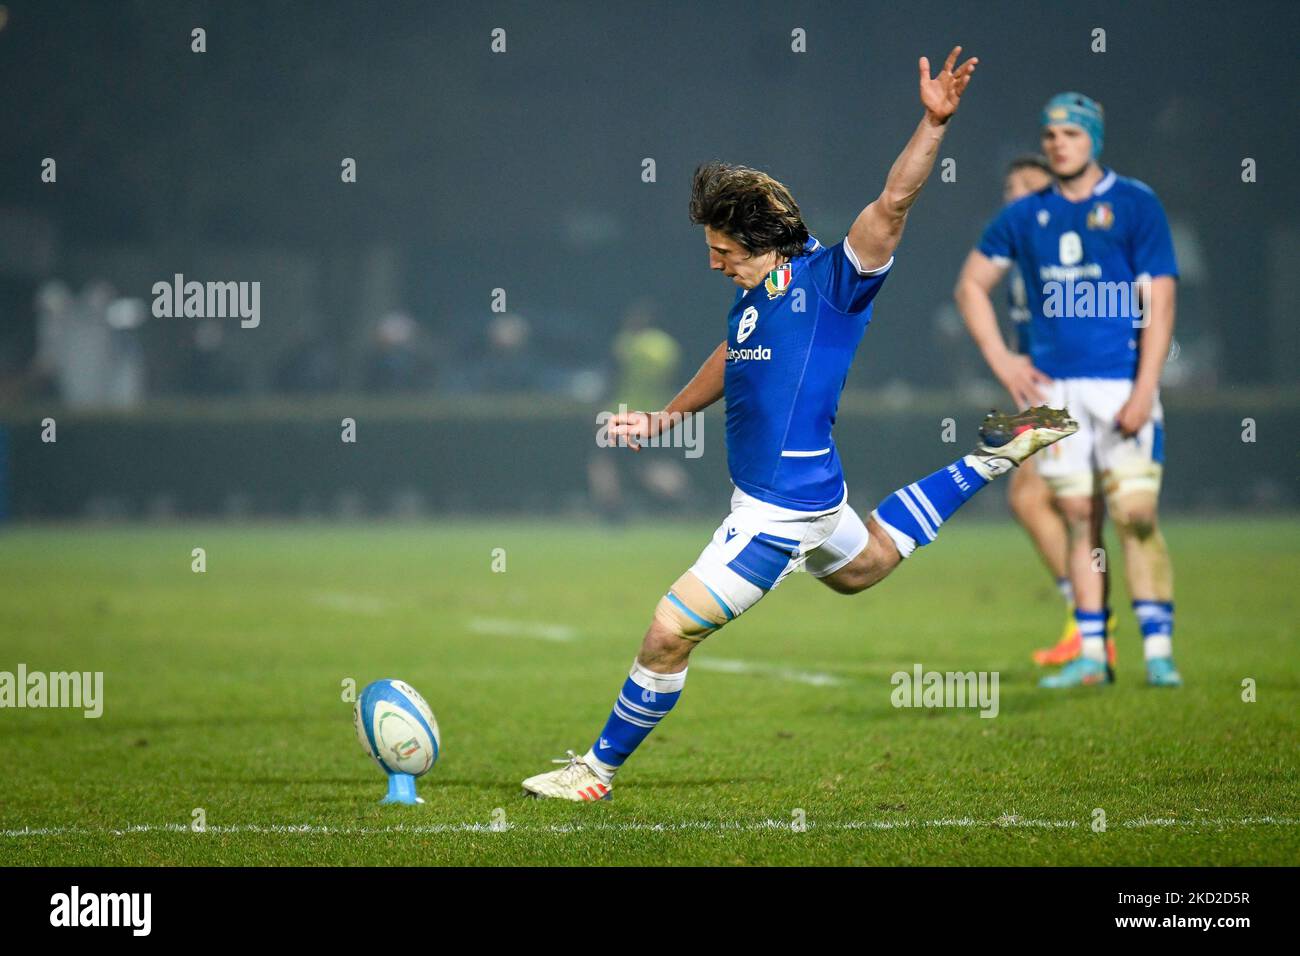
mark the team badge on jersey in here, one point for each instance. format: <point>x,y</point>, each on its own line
<point>778,281</point>
<point>1102,216</point>
<point>1043,216</point>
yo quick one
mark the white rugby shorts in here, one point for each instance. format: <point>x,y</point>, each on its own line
<point>760,544</point>
<point>1125,464</point>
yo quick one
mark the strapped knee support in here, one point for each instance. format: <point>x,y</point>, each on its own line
<point>1079,484</point>
<point>691,610</point>
<point>1143,476</point>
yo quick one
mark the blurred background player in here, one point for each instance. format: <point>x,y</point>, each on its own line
<point>1028,494</point>
<point>1098,259</point>
<point>645,361</point>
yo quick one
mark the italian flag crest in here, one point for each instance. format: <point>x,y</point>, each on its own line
<point>778,281</point>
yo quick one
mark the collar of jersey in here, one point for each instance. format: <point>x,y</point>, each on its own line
<point>811,246</point>
<point>1107,180</point>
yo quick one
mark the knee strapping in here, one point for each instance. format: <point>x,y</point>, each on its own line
<point>1134,515</point>
<point>1079,484</point>
<point>690,610</point>
<point>1139,478</point>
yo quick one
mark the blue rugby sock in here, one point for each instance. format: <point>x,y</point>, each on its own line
<point>1092,629</point>
<point>1156,619</point>
<point>645,699</point>
<point>912,515</point>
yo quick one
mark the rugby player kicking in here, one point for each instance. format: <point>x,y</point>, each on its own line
<point>799,313</point>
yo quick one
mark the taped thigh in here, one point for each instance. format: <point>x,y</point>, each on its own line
<point>691,609</point>
<point>1134,464</point>
<point>1080,484</point>
<point>1131,477</point>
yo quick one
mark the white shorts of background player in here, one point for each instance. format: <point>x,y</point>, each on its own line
<point>1125,464</point>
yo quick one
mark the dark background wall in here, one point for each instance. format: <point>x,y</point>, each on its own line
<point>522,170</point>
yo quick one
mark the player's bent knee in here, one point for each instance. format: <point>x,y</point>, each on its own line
<point>1140,527</point>
<point>879,556</point>
<point>690,610</point>
<point>847,581</point>
<point>1136,518</point>
<point>663,651</point>
<point>1131,496</point>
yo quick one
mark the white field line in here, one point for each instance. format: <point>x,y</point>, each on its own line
<point>730,666</point>
<point>504,628</point>
<point>960,823</point>
<point>351,603</point>
<point>561,633</point>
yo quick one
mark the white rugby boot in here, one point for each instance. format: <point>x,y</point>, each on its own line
<point>574,781</point>
<point>1007,440</point>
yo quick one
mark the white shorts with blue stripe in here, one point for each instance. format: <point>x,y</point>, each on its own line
<point>759,544</point>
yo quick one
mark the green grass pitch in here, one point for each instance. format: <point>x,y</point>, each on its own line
<point>223,691</point>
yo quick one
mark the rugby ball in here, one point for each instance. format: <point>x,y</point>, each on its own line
<point>396,727</point>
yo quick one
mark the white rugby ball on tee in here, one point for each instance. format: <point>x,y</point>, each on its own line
<point>396,727</point>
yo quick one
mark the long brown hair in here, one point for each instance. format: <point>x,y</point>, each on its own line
<point>750,206</point>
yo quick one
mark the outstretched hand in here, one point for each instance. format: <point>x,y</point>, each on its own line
<point>940,95</point>
<point>635,429</point>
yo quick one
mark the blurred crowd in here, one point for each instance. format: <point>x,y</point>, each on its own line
<point>95,348</point>
<point>88,349</point>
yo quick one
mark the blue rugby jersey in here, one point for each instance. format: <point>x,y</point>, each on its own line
<point>1080,261</point>
<point>790,342</point>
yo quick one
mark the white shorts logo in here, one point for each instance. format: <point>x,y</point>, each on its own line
<point>748,319</point>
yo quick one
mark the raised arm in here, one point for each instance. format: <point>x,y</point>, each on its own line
<point>878,228</point>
